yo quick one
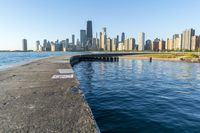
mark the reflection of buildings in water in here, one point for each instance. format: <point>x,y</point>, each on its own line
<point>198,76</point>
<point>88,75</point>
<point>186,71</point>
<point>89,71</point>
<point>139,66</point>
<point>127,65</point>
<point>102,69</point>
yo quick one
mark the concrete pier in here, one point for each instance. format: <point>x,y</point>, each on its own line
<point>43,97</point>
<point>94,57</point>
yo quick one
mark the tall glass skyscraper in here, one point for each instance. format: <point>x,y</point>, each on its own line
<point>24,45</point>
<point>123,37</point>
<point>89,30</point>
<point>83,38</point>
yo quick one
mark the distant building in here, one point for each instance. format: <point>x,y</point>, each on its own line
<point>83,38</point>
<point>89,33</point>
<point>194,43</point>
<point>126,44</point>
<point>156,44</point>
<point>121,47</point>
<point>123,37</point>
<point>187,39</point>
<point>148,45</point>
<point>161,45</point>
<point>132,45</point>
<point>94,46</point>
<point>129,44</point>
<point>114,44</point>
<point>117,40</point>
<point>48,46</point>
<point>177,41</point>
<point>169,44</point>
<point>141,41</point>
<point>198,42</point>
<point>44,47</point>
<point>103,39</point>
<point>38,46</point>
<point>97,43</point>
<point>109,43</point>
<point>24,45</point>
<point>63,45</point>
<point>73,39</point>
<point>53,47</point>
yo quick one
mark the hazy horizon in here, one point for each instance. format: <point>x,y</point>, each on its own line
<point>58,19</point>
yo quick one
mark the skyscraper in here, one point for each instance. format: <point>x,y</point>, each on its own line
<point>53,47</point>
<point>103,39</point>
<point>114,44</point>
<point>169,44</point>
<point>83,38</point>
<point>161,45</point>
<point>45,45</point>
<point>97,41</point>
<point>187,39</point>
<point>156,44</point>
<point>131,44</point>
<point>89,33</point>
<point>24,45</point>
<point>194,43</point>
<point>123,37</point>
<point>117,41</point>
<point>141,41</point>
<point>73,39</point>
<point>148,45</point>
<point>38,46</point>
<point>109,44</point>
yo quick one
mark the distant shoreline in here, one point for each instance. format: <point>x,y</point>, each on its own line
<point>147,58</point>
<point>189,57</point>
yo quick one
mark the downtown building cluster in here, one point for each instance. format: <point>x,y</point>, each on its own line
<point>186,41</point>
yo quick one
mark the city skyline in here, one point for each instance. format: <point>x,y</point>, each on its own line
<point>38,20</point>
<point>185,41</point>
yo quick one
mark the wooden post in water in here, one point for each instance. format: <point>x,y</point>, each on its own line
<point>150,59</point>
<point>111,59</point>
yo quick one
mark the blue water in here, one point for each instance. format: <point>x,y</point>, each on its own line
<point>136,96</point>
<point>9,58</point>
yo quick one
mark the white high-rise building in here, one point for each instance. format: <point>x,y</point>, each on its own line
<point>103,39</point>
<point>114,44</point>
<point>187,39</point>
<point>141,41</point>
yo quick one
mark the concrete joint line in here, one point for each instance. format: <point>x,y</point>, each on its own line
<point>69,76</point>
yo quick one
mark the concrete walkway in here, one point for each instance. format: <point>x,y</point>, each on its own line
<point>32,101</point>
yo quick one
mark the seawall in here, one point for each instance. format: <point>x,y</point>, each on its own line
<point>43,96</point>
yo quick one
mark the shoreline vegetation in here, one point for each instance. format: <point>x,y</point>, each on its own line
<point>186,57</point>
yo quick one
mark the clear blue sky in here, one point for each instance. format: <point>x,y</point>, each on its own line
<point>58,19</point>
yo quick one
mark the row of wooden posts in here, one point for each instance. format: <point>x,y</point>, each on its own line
<point>99,58</point>
<point>77,59</point>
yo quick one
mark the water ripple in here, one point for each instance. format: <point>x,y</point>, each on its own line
<point>138,96</point>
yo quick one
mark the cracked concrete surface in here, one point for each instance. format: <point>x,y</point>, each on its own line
<point>30,101</point>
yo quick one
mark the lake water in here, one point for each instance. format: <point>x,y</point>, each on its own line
<point>8,59</point>
<point>136,96</point>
